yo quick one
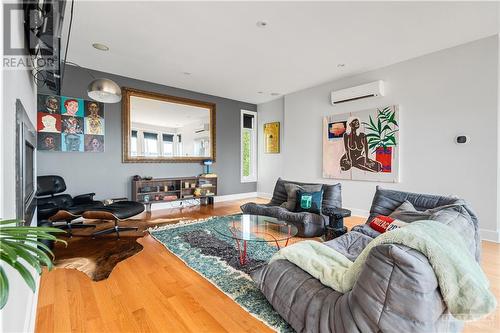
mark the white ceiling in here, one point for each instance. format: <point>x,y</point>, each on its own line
<point>165,114</point>
<point>229,56</point>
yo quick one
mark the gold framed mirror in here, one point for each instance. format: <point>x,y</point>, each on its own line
<point>159,128</point>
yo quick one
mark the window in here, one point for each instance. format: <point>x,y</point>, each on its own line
<point>150,144</point>
<point>168,144</point>
<point>248,146</point>
<point>133,144</point>
<point>179,145</point>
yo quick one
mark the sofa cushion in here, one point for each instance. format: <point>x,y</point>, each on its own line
<point>309,201</point>
<point>365,229</point>
<point>350,244</point>
<point>406,212</point>
<point>308,224</point>
<point>261,209</point>
<point>291,190</point>
<point>332,196</point>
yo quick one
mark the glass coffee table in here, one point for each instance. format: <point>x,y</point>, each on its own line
<point>256,228</point>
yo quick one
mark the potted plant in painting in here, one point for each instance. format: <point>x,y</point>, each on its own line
<point>381,136</point>
<point>21,247</point>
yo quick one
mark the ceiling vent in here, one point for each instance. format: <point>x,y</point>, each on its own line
<point>368,90</point>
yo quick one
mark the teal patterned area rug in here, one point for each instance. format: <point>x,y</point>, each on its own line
<point>215,257</point>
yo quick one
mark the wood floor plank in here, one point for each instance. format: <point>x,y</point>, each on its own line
<point>154,291</point>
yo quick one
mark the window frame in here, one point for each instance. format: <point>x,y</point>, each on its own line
<point>253,176</point>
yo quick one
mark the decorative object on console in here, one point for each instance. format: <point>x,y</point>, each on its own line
<point>69,124</point>
<point>272,137</point>
<point>362,145</point>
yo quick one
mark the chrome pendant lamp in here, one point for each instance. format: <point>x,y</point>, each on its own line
<point>104,90</point>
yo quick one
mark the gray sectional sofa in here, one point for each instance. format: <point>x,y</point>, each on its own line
<point>397,290</point>
<point>308,224</point>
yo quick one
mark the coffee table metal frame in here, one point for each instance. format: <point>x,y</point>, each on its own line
<point>242,248</point>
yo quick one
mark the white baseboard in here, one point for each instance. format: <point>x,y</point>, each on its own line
<point>358,212</point>
<point>264,195</point>
<point>237,196</point>
<point>490,235</point>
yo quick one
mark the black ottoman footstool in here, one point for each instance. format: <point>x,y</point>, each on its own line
<point>115,212</point>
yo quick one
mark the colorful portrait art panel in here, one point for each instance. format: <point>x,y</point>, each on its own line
<point>94,125</point>
<point>72,142</point>
<point>49,141</point>
<point>70,124</point>
<point>72,106</point>
<point>94,143</point>
<point>47,122</point>
<point>362,145</point>
<point>49,104</point>
<point>93,109</point>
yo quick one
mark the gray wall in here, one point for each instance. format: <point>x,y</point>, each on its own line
<point>270,165</point>
<point>105,174</point>
<point>441,95</point>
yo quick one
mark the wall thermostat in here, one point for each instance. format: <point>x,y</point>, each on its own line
<point>461,139</point>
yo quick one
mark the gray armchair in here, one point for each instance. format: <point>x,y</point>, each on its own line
<point>308,224</point>
<point>397,290</point>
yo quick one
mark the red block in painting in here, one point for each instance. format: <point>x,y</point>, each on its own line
<point>384,156</point>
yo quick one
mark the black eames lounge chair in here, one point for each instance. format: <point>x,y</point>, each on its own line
<point>57,207</point>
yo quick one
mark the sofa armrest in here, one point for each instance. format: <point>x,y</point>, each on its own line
<point>403,292</point>
<point>83,198</point>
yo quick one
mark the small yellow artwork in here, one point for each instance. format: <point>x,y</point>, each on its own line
<point>272,137</point>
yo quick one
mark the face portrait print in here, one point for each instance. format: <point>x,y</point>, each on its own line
<point>94,109</point>
<point>48,104</point>
<point>49,122</point>
<point>72,142</point>
<point>94,118</point>
<point>49,141</point>
<point>72,107</point>
<point>94,143</point>
<point>72,125</point>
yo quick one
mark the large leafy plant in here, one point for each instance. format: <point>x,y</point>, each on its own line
<point>381,133</point>
<point>19,242</point>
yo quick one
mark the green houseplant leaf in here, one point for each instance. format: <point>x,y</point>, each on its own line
<point>20,247</point>
<point>380,131</point>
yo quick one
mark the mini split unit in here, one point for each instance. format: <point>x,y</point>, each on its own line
<point>368,90</point>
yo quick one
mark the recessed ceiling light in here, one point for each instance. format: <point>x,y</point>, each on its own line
<point>340,65</point>
<point>100,47</point>
<point>187,73</point>
<point>262,24</point>
<point>275,94</point>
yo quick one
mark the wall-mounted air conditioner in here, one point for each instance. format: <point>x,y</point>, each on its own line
<point>202,128</point>
<point>368,90</point>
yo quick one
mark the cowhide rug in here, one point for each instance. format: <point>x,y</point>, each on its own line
<point>97,257</point>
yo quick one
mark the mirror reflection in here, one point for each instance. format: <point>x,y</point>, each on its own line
<point>164,129</point>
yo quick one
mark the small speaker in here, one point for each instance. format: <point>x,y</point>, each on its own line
<point>461,139</point>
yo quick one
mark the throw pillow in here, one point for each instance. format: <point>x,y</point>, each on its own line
<point>291,190</point>
<point>406,212</point>
<point>383,223</point>
<point>309,201</point>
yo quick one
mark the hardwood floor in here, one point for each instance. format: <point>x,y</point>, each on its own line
<point>154,291</point>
